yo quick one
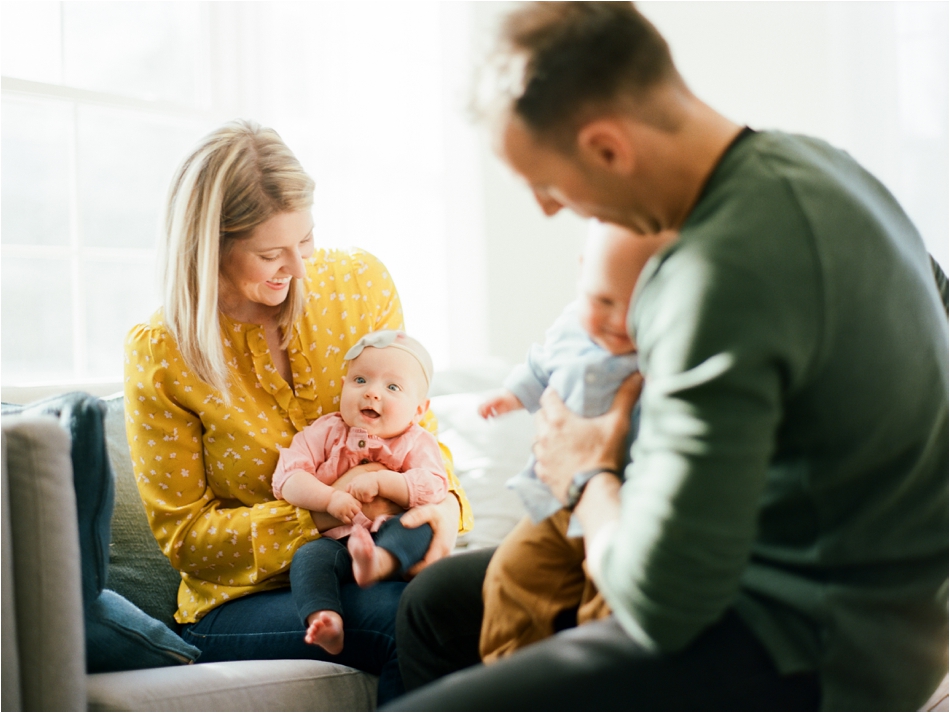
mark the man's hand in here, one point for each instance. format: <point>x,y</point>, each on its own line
<point>444,521</point>
<point>364,487</point>
<point>568,444</point>
<point>344,506</point>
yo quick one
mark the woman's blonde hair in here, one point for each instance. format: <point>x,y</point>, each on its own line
<point>235,179</point>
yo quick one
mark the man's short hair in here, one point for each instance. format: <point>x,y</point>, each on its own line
<point>576,56</point>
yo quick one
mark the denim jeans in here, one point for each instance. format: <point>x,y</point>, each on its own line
<point>322,567</point>
<point>266,626</point>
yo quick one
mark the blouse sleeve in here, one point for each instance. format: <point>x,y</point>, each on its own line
<point>307,452</point>
<point>389,316</point>
<point>424,471</point>
<point>222,541</point>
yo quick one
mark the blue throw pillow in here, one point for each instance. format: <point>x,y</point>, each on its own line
<point>82,417</point>
<point>119,635</point>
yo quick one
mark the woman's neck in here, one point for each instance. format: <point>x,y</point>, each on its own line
<point>247,312</point>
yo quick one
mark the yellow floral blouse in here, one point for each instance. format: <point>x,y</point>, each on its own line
<point>204,468</point>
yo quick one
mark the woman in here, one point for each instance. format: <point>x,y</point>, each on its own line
<point>247,351</point>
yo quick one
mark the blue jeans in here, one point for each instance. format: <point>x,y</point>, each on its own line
<point>266,626</point>
<point>321,567</point>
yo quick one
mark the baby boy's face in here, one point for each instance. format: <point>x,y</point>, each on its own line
<point>612,262</point>
<point>384,392</point>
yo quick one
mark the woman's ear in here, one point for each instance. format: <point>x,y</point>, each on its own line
<point>604,144</point>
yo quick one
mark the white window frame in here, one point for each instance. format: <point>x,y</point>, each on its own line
<point>225,23</point>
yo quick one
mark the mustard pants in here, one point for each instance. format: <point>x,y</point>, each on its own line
<point>535,575</point>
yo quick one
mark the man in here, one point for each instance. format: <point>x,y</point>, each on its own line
<point>780,539</point>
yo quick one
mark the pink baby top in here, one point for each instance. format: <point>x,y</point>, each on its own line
<point>328,448</point>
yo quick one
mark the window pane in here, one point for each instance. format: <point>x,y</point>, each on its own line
<point>35,172</point>
<point>31,41</point>
<point>148,50</point>
<point>118,296</point>
<point>37,320</point>
<point>126,163</point>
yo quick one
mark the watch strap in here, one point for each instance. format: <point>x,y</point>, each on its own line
<point>579,482</point>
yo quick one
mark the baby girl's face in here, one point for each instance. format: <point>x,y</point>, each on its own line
<point>612,262</point>
<point>384,392</point>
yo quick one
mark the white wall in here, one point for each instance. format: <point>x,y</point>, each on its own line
<point>869,77</point>
<point>837,70</point>
<point>372,97</point>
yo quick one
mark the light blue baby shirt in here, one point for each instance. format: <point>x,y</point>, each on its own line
<point>586,377</point>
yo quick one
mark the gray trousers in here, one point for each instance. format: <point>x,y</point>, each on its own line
<point>592,667</point>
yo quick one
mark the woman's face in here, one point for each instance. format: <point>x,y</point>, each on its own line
<point>255,272</point>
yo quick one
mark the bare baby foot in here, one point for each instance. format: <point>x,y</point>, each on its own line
<point>325,629</point>
<point>364,553</point>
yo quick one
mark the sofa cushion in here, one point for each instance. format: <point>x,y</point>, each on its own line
<point>486,454</point>
<point>119,636</point>
<point>138,570</point>
<point>280,685</point>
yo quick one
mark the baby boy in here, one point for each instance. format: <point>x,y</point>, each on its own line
<point>536,582</point>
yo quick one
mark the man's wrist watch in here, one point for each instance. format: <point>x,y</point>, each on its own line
<point>580,480</point>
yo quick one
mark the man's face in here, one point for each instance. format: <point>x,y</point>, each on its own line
<point>557,179</point>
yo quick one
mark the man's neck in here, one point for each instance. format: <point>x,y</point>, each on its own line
<point>712,137</point>
<point>676,165</point>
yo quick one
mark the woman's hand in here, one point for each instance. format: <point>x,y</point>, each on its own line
<point>567,443</point>
<point>443,518</point>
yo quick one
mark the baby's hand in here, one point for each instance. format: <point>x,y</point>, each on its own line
<point>499,403</point>
<point>343,506</point>
<point>364,487</point>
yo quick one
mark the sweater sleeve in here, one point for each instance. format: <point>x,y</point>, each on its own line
<point>716,361</point>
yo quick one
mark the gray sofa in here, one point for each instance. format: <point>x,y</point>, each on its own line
<point>44,661</point>
<point>44,648</point>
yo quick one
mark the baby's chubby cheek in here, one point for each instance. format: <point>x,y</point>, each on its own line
<point>585,316</point>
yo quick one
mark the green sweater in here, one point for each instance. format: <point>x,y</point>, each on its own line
<point>792,458</point>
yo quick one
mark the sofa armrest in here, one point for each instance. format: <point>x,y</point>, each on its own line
<point>47,591</point>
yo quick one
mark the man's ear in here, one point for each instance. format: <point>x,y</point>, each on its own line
<point>603,143</point>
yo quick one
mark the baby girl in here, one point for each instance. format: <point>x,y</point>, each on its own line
<point>384,397</point>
